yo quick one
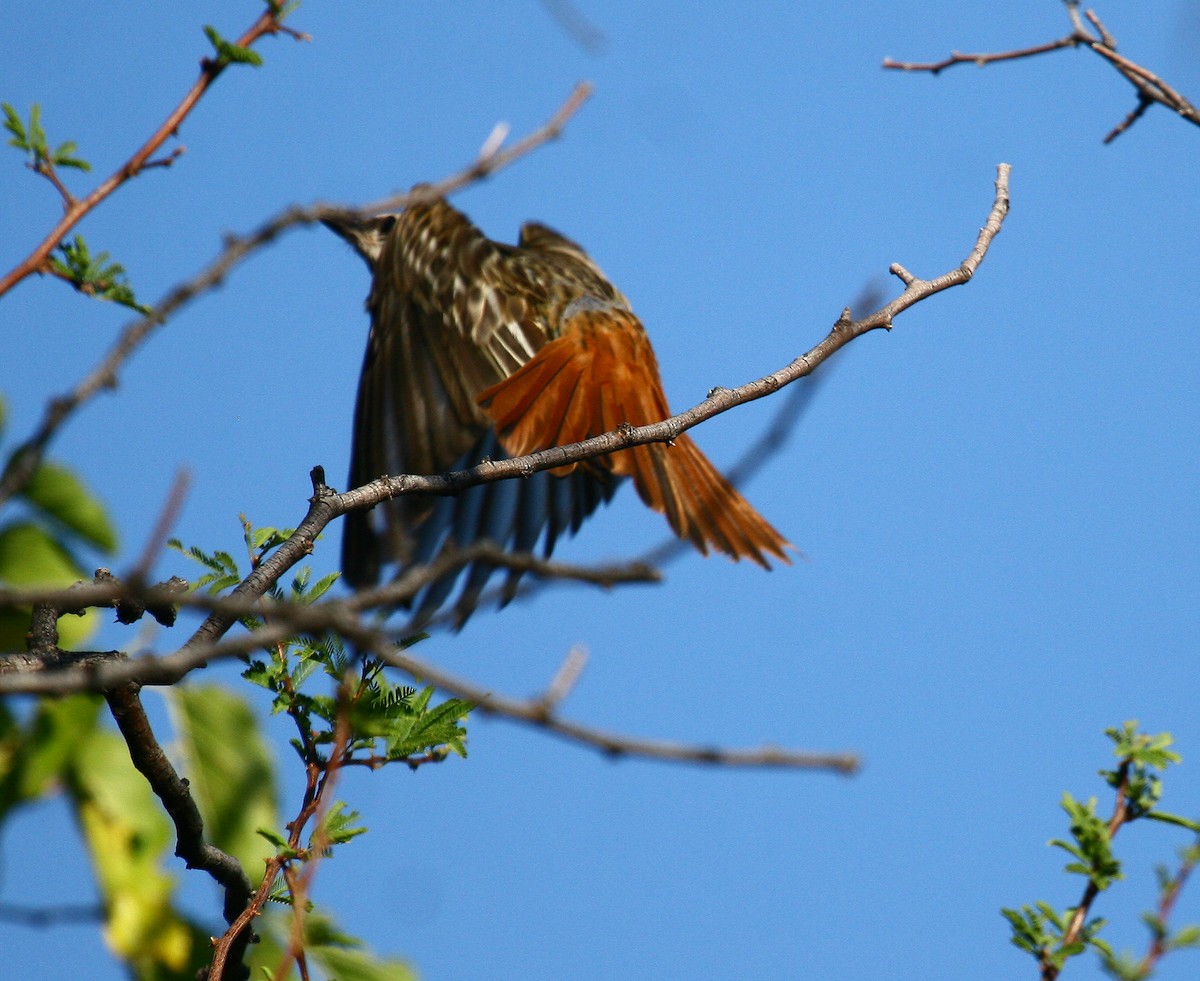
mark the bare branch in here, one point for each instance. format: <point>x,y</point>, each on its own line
<point>41,917</point>
<point>565,679</point>
<point>538,713</point>
<point>770,441</point>
<point>1150,88</point>
<point>114,671</point>
<point>981,59</point>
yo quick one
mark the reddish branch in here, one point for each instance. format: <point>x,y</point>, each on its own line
<point>1166,906</point>
<point>1074,930</point>
<point>1150,88</point>
<point>74,209</point>
<point>320,778</point>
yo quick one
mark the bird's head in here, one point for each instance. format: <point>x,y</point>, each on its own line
<point>366,235</point>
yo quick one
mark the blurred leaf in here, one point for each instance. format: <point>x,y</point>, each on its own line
<point>347,958</point>
<point>1188,936</point>
<point>29,556</point>
<point>35,756</point>
<point>64,156</point>
<point>15,126</point>
<point>128,838</point>
<point>1175,819</point>
<point>230,769</point>
<point>59,493</point>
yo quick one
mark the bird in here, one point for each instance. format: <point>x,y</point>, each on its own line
<point>483,350</point>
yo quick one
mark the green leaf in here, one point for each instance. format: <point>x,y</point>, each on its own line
<point>62,495</point>
<point>1175,819</point>
<point>12,123</point>
<point>64,156</point>
<point>230,769</point>
<point>277,840</point>
<point>228,52</point>
<point>37,135</point>
<point>1188,936</point>
<point>1053,916</point>
<point>347,958</point>
<point>339,825</point>
<point>34,756</point>
<point>95,276</point>
<point>30,556</point>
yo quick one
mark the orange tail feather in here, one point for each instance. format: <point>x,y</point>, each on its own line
<point>601,374</point>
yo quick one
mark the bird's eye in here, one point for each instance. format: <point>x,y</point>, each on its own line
<point>387,224</point>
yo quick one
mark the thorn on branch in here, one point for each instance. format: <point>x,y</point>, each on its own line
<point>166,161</point>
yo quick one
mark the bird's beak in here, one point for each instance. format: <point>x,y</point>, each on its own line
<point>365,235</point>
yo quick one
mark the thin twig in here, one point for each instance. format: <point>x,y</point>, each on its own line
<point>42,917</point>
<point>162,527</point>
<point>1166,906</point>
<point>1150,88</point>
<point>981,59</point>
<point>774,436</point>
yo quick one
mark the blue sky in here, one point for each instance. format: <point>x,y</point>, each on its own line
<point>997,500</point>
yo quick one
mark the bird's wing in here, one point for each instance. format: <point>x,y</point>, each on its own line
<point>452,313</point>
<point>599,375</point>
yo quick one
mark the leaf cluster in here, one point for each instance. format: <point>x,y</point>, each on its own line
<point>97,276</point>
<point>30,137</point>
<point>229,53</point>
<point>388,723</point>
<point>1054,936</point>
<point>345,712</point>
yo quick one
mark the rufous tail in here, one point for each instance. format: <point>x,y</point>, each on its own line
<point>602,374</point>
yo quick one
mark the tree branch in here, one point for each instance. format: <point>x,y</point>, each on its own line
<point>1150,88</point>
<point>113,672</point>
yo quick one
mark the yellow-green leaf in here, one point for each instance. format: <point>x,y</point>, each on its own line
<point>29,556</point>
<point>128,838</point>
